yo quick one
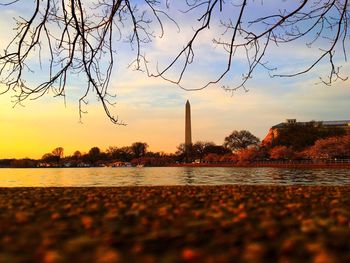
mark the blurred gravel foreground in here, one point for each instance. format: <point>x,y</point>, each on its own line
<point>236,223</point>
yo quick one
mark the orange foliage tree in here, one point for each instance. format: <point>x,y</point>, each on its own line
<point>281,152</point>
<point>332,147</point>
<point>212,158</point>
<point>248,155</point>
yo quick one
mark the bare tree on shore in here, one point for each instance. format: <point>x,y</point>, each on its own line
<point>84,38</point>
<point>239,140</point>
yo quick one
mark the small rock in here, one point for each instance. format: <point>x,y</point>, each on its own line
<point>107,255</point>
<point>87,221</point>
<point>52,256</point>
<point>189,254</point>
<point>55,216</point>
<point>22,217</point>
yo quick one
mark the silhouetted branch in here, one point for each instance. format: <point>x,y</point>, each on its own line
<point>77,37</point>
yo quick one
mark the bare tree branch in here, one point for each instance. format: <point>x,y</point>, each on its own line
<point>82,38</point>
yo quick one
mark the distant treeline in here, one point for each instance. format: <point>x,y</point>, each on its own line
<point>18,163</point>
<point>240,147</point>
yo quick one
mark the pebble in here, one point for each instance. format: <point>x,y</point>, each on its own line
<point>237,223</point>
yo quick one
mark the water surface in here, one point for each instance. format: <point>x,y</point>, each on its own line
<point>132,176</point>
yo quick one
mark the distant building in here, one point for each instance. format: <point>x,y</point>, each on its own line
<point>274,130</point>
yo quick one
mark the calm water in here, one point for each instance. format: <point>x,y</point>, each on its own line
<point>169,176</point>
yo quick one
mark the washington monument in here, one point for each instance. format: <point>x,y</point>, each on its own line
<point>188,133</point>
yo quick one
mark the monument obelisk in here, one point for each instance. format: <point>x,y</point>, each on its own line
<point>188,133</point>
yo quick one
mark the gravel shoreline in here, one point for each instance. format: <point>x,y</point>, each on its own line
<point>230,223</point>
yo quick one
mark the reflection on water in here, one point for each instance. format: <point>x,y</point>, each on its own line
<point>170,176</point>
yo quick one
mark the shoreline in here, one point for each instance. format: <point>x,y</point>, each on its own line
<point>227,165</point>
<point>282,165</point>
<point>244,223</point>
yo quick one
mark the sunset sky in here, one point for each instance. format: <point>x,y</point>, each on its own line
<point>154,109</point>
